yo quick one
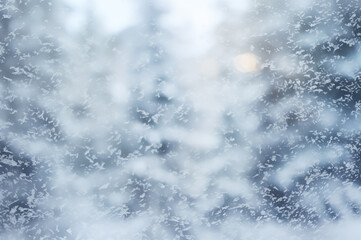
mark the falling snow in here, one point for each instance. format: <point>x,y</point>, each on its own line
<point>180,120</point>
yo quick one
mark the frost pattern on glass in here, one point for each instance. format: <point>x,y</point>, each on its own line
<point>180,120</point>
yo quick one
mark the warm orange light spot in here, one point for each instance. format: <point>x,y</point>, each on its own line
<point>247,62</point>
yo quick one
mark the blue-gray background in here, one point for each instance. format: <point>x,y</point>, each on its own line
<point>180,120</point>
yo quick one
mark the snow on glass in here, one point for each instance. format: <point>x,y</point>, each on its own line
<point>180,120</point>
